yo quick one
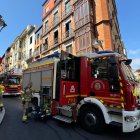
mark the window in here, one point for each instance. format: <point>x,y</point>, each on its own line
<point>55,37</point>
<point>68,67</point>
<point>91,8</point>
<point>88,39</point>
<point>46,44</point>
<point>84,41</point>
<point>46,26</point>
<point>30,53</point>
<point>46,41</point>
<point>81,42</point>
<point>19,55</point>
<point>55,17</point>
<point>31,39</point>
<point>100,69</point>
<point>67,7</point>
<point>38,38</point>
<point>40,49</point>
<point>68,29</point>
<point>76,15</point>
<point>80,12</point>
<point>69,48</point>
<point>86,8</point>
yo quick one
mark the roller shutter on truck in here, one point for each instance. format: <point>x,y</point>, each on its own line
<point>47,77</point>
<point>36,80</point>
<point>26,79</point>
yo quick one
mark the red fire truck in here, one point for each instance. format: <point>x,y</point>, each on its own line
<point>11,81</point>
<point>92,89</point>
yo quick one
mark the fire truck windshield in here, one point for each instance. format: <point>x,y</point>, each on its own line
<point>12,81</point>
<point>127,72</point>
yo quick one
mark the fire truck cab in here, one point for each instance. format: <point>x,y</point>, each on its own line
<point>11,81</point>
<point>92,89</point>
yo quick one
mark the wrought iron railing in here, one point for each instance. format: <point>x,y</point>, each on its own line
<point>45,47</point>
<point>68,33</point>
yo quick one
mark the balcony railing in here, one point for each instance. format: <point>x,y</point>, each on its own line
<point>68,33</point>
<point>45,47</point>
<point>67,11</point>
<point>46,30</point>
<point>52,25</point>
<point>54,42</point>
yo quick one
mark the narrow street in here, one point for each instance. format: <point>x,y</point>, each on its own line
<point>13,129</point>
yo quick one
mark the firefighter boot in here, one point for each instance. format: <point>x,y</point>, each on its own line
<point>29,115</point>
<point>24,118</point>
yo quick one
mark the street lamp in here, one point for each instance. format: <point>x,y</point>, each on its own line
<point>2,23</point>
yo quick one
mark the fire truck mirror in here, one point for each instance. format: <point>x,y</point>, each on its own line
<point>127,62</point>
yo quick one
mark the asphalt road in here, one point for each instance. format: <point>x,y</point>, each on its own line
<point>13,129</point>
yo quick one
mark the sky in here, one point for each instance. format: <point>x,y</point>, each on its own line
<point>20,13</point>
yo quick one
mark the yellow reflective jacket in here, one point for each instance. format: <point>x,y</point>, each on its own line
<point>1,89</point>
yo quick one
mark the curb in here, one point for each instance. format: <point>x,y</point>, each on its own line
<point>2,114</point>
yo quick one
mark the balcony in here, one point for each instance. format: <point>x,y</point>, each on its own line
<point>44,48</point>
<point>53,24</point>
<point>46,30</point>
<point>69,33</point>
<point>67,12</point>
<point>54,42</point>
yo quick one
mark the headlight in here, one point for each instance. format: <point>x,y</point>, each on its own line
<point>131,118</point>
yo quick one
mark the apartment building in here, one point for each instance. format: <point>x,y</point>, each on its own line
<point>80,26</point>
<point>2,64</point>
<point>5,61</point>
<point>58,27</point>
<point>27,46</point>
<point>21,51</point>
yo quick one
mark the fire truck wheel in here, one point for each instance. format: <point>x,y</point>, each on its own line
<point>92,120</point>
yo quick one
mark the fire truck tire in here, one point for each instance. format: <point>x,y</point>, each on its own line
<point>92,120</point>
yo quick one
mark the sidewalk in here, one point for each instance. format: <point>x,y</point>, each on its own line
<point>2,115</point>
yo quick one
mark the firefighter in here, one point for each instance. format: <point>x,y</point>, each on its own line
<point>1,92</point>
<point>27,102</point>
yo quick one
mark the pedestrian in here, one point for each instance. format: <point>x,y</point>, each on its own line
<point>1,92</point>
<point>27,102</point>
